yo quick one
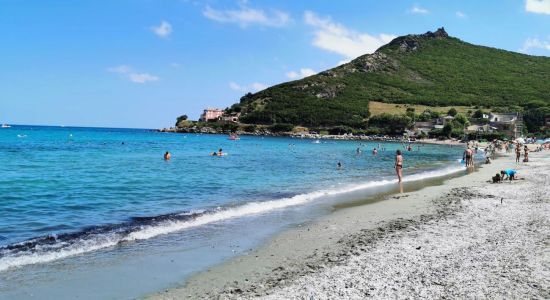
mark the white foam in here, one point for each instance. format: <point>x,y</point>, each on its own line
<point>43,257</point>
<point>252,208</point>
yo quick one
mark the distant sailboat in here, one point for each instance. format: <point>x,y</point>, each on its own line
<point>5,126</point>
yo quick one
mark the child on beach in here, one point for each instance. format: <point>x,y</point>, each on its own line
<point>510,174</point>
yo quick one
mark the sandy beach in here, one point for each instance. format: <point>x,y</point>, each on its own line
<point>466,238</point>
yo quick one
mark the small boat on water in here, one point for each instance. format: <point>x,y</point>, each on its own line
<point>234,137</point>
<point>5,126</point>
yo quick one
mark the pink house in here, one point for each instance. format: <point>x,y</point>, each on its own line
<point>211,114</point>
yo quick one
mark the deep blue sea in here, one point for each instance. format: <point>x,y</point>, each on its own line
<point>67,193</point>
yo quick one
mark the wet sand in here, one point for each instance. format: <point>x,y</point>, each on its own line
<point>465,238</point>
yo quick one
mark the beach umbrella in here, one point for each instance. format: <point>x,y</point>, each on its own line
<point>520,140</point>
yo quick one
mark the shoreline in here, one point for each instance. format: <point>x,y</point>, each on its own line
<point>313,248</point>
<point>308,136</point>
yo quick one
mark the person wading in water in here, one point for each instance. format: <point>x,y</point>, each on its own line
<point>399,165</point>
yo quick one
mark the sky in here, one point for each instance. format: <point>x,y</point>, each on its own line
<point>143,63</point>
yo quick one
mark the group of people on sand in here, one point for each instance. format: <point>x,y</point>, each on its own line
<point>525,153</point>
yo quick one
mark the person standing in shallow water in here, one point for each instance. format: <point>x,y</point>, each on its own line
<point>399,165</point>
<point>167,155</point>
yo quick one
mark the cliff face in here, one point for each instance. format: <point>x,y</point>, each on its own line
<point>431,68</point>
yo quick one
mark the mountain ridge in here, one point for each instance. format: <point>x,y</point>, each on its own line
<point>432,69</point>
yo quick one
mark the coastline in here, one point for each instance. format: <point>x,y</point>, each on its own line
<point>315,251</point>
<point>299,135</point>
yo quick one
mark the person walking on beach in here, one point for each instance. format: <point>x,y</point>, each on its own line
<point>518,152</point>
<point>399,165</point>
<point>525,154</point>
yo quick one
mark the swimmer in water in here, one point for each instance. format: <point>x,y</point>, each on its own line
<point>167,155</point>
<point>339,165</point>
<point>374,151</point>
<point>220,152</point>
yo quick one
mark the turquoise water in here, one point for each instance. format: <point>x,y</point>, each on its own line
<point>68,192</point>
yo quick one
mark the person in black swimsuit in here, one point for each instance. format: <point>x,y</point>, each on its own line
<point>399,165</point>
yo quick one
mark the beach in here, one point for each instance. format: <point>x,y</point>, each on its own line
<point>465,238</point>
<point>114,220</point>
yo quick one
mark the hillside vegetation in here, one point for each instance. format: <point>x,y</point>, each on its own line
<point>377,108</point>
<point>431,69</point>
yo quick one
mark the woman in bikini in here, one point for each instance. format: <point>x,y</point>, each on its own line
<point>399,165</point>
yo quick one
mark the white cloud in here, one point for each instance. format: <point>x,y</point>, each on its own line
<point>163,30</point>
<point>120,69</point>
<point>460,14</point>
<point>535,43</point>
<point>304,72</point>
<point>142,77</point>
<point>254,87</point>
<point>258,86</point>
<point>538,6</point>
<point>344,61</point>
<point>245,16</point>
<point>419,10</point>
<point>235,86</point>
<point>128,73</point>
<point>335,37</point>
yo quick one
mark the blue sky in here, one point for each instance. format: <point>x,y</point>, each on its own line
<point>142,63</point>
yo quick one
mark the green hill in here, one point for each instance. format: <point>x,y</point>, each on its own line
<point>431,69</point>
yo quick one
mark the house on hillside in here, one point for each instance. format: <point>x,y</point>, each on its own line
<point>232,117</point>
<point>444,120</point>
<point>510,124</point>
<point>425,127</point>
<point>486,128</point>
<point>211,114</point>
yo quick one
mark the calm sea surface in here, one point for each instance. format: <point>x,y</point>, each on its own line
<point>68,192</point>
